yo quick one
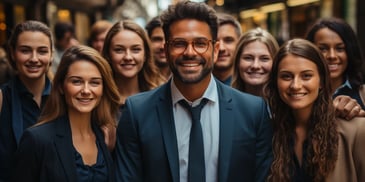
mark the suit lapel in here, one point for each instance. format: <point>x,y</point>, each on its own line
<point>63,143</point>
<point>16,113</point>
<point>226,122</point>
<point>166,119</point>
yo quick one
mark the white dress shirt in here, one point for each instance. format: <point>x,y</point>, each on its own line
<point>210,127</point>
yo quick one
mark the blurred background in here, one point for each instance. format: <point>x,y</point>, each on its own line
<point>285,19</point>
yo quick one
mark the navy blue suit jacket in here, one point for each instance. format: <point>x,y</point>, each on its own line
<point>46,153</point>
<point>147,146</point>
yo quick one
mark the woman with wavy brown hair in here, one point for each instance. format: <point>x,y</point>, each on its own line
<point>67,144</point>
<point>128,51</point>
<point>310,143</point>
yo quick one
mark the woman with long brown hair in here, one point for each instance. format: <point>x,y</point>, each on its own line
<point>67,143</point>
<point>310,143</point>
<point>128,51</point>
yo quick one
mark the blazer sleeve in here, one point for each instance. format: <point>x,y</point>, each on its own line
<point>128,152</point>
<point>358,151</point>
<point>27,162</point>
<point>264,133</point>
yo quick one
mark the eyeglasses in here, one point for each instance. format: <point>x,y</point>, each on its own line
<point>200,45</point>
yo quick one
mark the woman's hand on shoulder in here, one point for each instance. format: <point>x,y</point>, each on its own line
<point>347,107</point>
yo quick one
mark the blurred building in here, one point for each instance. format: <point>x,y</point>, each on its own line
<point>82,13</point>
<point>285,19</point>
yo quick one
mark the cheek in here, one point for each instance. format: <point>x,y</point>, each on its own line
<point>243,65</point>
<point>267,66</point>
<point>99,91</point>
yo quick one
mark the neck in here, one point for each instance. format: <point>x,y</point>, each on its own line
<point>80,123</point>
<point>335,83</point>
<point>35,86</point>
<point>193,91</point>
<point>127,87</point>
<point>254,89</point>
<point>222,75</point>
<point>301,117</point>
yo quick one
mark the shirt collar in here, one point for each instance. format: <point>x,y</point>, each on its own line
<point>23,90</point>
<point>211,93</point>
<point>344,85</point>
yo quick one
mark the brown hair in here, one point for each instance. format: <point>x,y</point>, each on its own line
<point>148,77</point>
<point>322,130</point>
<point>27,26</point>
<point>256,34</point>
<point>107,110</point>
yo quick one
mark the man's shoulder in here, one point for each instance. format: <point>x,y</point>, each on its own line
<point>148,96</point>
<point>236,94</point>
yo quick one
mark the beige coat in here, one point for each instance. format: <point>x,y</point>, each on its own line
<point>350,165</point>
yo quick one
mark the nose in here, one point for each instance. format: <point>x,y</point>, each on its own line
<point>331,54</point>
<point>296,84</point>
<point>255,64</point>
<point>34,56</point>
<point>128,55</point>
<point>222,45</point>
<point>189,49</point>
<point>86,89</point>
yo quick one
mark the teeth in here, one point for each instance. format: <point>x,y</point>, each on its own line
<point>191,65</point>
<point>333,66</point>
<point>85,100</point>
<point>297,95</point>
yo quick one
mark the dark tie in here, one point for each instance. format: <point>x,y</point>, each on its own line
<point>196,168</point>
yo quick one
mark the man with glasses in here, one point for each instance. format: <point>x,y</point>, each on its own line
<point>193,128</point>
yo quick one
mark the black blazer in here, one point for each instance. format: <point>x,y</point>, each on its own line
<point>46,153</point>
<point>147,150</point>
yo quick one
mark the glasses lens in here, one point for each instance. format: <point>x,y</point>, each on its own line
<point>178,46</point>
<point>201,45</point>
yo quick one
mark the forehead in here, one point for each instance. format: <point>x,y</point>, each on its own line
<point>34,38</point>
<point>190,29</point>
<point>83,68</point>
<point>126,37</point>
<point>157,32</point>
<point>256,46</point>
<point>227,30</point>
<point>326,34</point>
<point>293,63</point>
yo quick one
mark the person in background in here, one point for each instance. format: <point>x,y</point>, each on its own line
<point>6,71</point>
<point>253,60</point>
<point>98,33</point>
<point>157,38</point>
<point>341,49</point>
<point>160,135</point>
<point>65,38</point>
<point>67,143</point>
<point>23,97</point>
<point>128,51</point>
<point>310,143</point>
<point>229,31</point>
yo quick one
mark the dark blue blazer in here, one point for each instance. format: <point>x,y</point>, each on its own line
<point>46,153</point>
<point>147,150</point>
